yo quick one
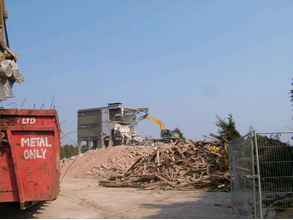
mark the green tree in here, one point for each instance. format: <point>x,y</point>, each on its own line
<point>84,149</point>
<point>226,130</point>
<point>68,151</point>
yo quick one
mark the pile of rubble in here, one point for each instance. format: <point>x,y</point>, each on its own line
<point>119,160</point>
<point>177,166</point>
<point>103,163</point>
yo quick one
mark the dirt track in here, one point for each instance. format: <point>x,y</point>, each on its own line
<point>83,198</point>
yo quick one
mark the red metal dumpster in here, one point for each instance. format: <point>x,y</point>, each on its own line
<point>29,155</point>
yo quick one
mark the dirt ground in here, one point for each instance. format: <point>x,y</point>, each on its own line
<point>84,198</point>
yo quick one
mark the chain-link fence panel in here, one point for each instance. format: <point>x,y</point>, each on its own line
<point>242,169</point>
<point>276,172</point>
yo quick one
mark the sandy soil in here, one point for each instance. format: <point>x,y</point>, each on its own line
<point>102,162</point>
<point>84,198</point>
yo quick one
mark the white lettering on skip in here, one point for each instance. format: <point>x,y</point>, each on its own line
<point>28,121</point>
<point>32,154</point>
<point>36,147</point>
<point>35,142</point>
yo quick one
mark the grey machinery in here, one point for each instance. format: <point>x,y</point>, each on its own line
<point>110,125</point>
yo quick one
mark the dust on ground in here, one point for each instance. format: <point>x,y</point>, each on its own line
<point>84,198</point>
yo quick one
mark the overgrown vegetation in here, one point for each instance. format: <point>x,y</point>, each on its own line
<point>226,130</point>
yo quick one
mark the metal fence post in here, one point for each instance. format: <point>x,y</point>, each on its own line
<point>253,172</point>
<point>258,175</point>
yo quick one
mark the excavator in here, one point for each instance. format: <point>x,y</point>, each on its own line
<point>9,71</point>
<point>166,134</point>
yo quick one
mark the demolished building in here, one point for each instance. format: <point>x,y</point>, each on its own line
<point>108,126</point>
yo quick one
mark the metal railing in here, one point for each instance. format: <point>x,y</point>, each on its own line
<point>261,166</point>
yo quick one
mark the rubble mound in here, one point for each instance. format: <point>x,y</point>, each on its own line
<point>177,166</point>
<point>103,162</point>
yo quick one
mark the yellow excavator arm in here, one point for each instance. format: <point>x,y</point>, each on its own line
<point>156,121</point>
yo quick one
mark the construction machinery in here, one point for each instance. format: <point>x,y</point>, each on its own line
<point>167,135</point>
<point>29,139</point>
<point>111,125</point>
<point>9,71</point>
<point>115,124</point>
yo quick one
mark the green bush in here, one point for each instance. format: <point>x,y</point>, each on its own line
<point>68,151</point>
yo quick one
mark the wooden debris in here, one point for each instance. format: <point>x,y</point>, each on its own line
<point>180,166</point>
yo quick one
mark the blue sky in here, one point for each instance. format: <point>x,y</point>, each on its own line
<point>187,60</point>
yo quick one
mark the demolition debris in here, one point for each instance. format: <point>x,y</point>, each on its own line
<point>178,166</point>
<point>105,162</point>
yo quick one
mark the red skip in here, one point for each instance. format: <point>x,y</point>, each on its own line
<point>29,155</point>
